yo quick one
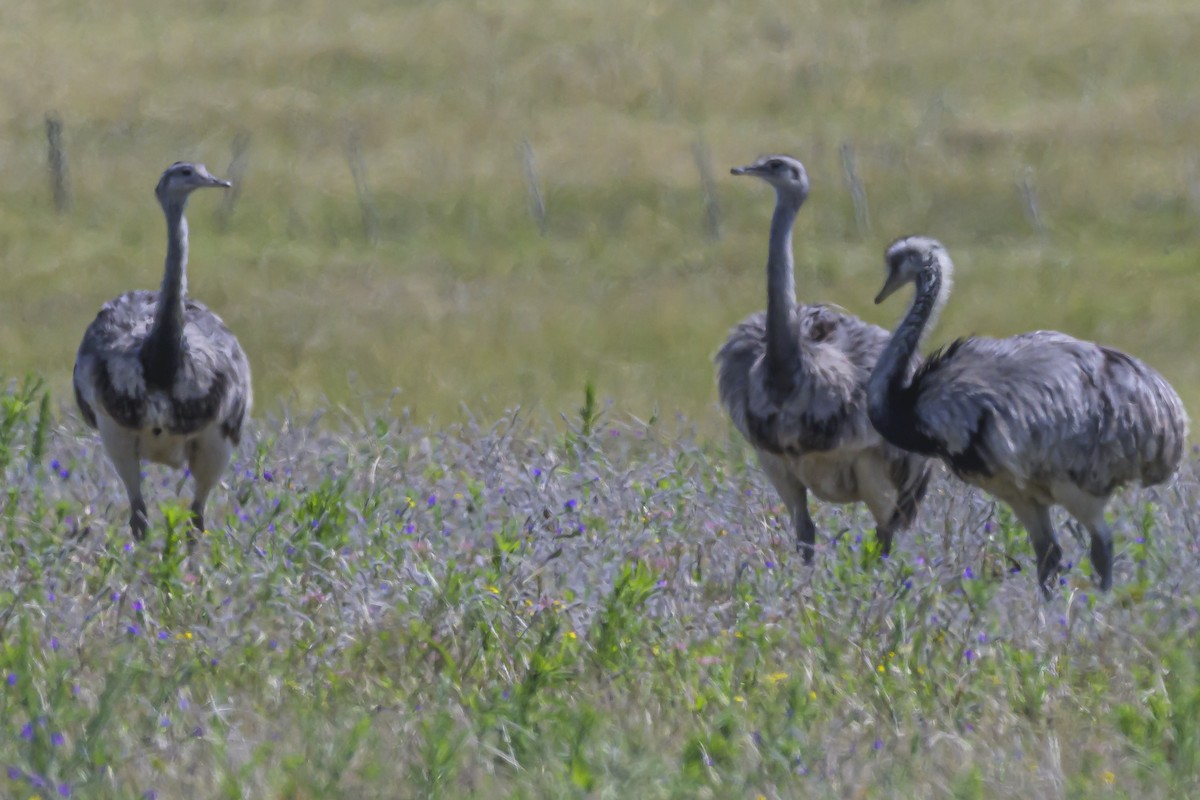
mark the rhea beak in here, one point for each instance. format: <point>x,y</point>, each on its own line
<point>894,281</point>
<point>219,182</point>
<point>749,169</point>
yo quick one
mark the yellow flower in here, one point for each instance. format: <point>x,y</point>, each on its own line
<point>880,669</point>
<point>737,698</point>
<point>776,677</point>
<point>812,694</point>
<point>493,590</point>
<point>571,635</point>
<point>1109,777</point>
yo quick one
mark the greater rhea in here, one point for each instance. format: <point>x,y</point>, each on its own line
<point>793,380</point>
<point>1037,420</point>
<point>160,376</point>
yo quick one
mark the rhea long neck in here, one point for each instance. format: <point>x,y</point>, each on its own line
<point>890,411</point>
<point>162,349</point>
<point>783,350</point>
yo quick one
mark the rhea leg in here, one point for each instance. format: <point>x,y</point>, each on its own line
<point>122,449</point>
<point>795,497</point>
<point>208,455</point>
<point>1089,510</point>
<point>1036,519</point>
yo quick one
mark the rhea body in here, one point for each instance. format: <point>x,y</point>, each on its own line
<point>160,375</point>
<point>793,380</point>
<point>1037,420</point>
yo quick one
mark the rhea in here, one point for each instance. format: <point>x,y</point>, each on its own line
<point>793,380</point>
<point>161,376</point>
<point>1037,420</point>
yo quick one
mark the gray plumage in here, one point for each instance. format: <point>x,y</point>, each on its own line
<point>1037,420</point>
<point>793,380</point>
<point>159,375</point>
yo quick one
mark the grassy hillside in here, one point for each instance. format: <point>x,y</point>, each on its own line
<point>1051,146</point>
<point>598,610</point>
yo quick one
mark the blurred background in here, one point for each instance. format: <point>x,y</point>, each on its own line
<point>484,204</point>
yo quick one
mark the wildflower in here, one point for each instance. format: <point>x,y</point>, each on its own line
<point>812,694</point>
<point>14,774</point>
<point>982,638</point>
<point>494,590</point>
<point>1108,776</point>
<point>137,605</point>
<point>737,698</point>
<point>572,635</point>
<point>57,739</point>
<point>968,574</point>
<point>970,654</point>
<point>770,564</point>
<point>128,548</point>
<point>163,636</point>
<point>432,501</point>
<point>878,744</point>
<point>272,645</point>
<point>571,504</point>
<point>27,731</point>
<point>164,722</point>
<point>880,669</point>
<point>115,596</point>
<point>776,677</point>
<point>51,597</point>
<point>537,473</point>
<point>268,476</point>
<point>133,630</point>
<point>64,790</point>
<point>12,679</point>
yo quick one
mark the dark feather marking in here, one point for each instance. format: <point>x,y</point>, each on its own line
<point>89,416</point>
<point>232,425</point>
<point>189,415</point>
<point>125,410</point>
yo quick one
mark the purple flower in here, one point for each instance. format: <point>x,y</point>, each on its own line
<point>982,638</point>
<point>27,731</point>
<point>878,744</point>
<point>410,528</point>
<point>968,574</point>
<point>137,605</point>
<point>64,790</point>
<point>133,630</point>
<point>537,473</point>
<point>571,504</point>
<point>970,654</point>
<point>908,584</point>
<point>432,501</point>
<point>987,527</point>
<point>183,704</point>
<point>770,564</point>
<point>57,739</point>
<point>15,774</point>
<point>164,722</point>
<point>272,645</point>
<point>12,679</point>
<point>51,597</point>
<point>163,636</point>
<point>55,465</point>
<point>268,476</point>
<point>149,794</point>
<point>115,596</point>
<point>128,547</point>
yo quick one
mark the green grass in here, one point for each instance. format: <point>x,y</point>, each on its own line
<point>458,299</point>
<point>593,608</point>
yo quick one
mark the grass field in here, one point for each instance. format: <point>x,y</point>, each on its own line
<point>1052,147</point>
<point>593,609</point>
<point>410,590</point>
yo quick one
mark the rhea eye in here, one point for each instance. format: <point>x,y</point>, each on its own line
<point>187,173</point>
<point>774,163</point>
